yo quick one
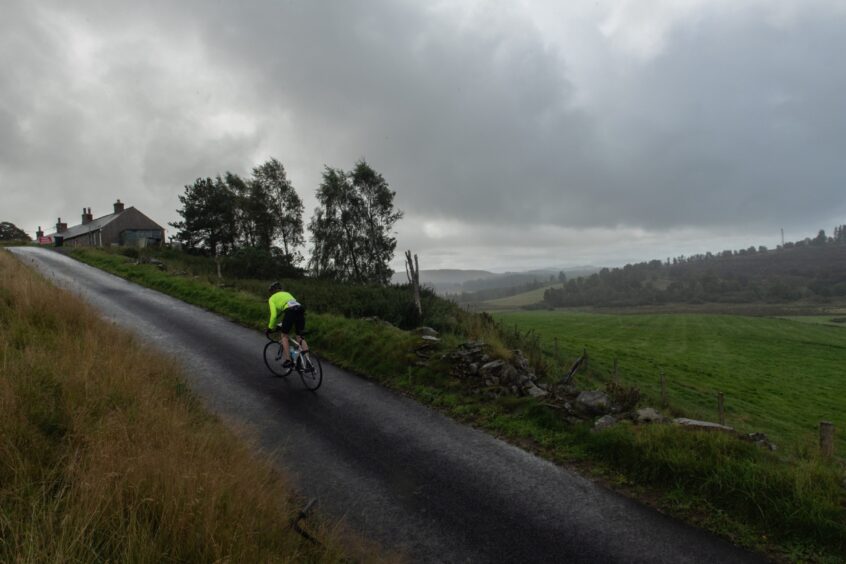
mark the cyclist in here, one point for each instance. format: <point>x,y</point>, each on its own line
<point>293,315</point>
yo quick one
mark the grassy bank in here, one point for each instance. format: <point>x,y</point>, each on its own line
<point>105,456</point>
<point>793,505</point>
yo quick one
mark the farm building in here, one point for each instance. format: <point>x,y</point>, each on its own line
<point>125,226</point>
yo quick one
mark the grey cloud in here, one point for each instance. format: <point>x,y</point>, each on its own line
<point>736,124</point>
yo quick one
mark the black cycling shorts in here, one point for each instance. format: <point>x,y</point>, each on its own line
<point>293,317</point>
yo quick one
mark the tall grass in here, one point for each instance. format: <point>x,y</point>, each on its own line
<point>105,456</point>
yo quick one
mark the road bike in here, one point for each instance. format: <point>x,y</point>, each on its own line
<point>307,364</point>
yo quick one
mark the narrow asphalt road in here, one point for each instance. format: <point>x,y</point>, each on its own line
<point>399,472</point>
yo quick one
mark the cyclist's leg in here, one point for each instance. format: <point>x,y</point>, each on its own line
<point>299,322</point>
<point>287,322</point>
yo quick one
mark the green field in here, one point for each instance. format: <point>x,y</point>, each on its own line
<point>519,300</point>
<point>779,376</point>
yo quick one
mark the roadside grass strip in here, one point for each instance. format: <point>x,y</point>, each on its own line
<point>790,505</point>
<point>106,456</point>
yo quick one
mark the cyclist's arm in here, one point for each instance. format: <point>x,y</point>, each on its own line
<point>272,323</point>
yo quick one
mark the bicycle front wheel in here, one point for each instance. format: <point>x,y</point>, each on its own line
<point>273,358</point>
<point>311,372</point>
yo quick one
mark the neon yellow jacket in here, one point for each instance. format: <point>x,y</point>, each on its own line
<point>279,302</point>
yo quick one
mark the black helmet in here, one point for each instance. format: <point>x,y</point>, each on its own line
<point>275,287</point>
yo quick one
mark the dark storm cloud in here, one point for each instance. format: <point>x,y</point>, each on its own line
<point>734,124</point>
<point>735,121</point>
<point>479,120</point>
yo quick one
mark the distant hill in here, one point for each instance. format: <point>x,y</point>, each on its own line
<point>812,271</point>
<point>445,281</point>
<point>456,282</point>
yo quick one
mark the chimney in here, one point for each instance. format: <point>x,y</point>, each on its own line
<point>118,206</point>
<point>86,218</point>
<point>39,234</point>
<point>61,227</point>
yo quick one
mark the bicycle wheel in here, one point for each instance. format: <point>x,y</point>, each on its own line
<point>311,372</point>
<point>273,359</point>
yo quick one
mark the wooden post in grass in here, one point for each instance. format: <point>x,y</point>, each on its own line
<point>720,408</point>
<point>412,271</point>
<point>663,390</point>
<point>826,439</point>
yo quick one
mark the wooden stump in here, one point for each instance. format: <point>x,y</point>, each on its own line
<point>826,439</point>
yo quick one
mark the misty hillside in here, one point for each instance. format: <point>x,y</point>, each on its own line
<point>445,280</point>
<point>811,271</point>
<point>456,282</point>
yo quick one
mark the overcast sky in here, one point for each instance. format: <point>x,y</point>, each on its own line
<point>515,133</point>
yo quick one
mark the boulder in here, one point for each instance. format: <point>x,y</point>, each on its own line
<point>426,332</point>
<point>648,415</point>
<point>491,367</point>
<point>567,390</point>
<point>761,440</point>
<point>604,422</point>
<point>429,339</point>
<point>702,425</point>
<point>520,360</point>
<point>534,391</point>
<point>594,401</point>
<point>510,375</point>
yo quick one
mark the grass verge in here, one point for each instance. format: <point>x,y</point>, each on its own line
<point>105,455</point>
<point>791,507</point>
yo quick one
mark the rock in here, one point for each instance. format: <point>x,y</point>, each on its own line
<point>375,319</point>
<point>535,392</point>
<point>473,368</point>
<point>761,440</point>
<point>429,339</point>
<point>493,366</point>
<point>703,425</point>
<point>520,360</point>
<point>648,415</point>
<point>567,390</point>
<point>426,332</point>
<point>510,375</point>
<point>594,401</point>
<point>604,422</point>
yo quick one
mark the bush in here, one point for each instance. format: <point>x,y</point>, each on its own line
<point>130,252</point>
<point>252,262</point>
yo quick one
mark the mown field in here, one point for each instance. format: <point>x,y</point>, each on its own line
<point>779,376</point>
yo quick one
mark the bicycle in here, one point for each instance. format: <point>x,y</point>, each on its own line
<point>307,364</point>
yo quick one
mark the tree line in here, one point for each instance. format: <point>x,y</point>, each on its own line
<point>257,223</point>
<point>812,269</point>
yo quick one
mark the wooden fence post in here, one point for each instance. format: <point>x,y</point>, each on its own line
<point>826,439</point>
<point>720,408</point>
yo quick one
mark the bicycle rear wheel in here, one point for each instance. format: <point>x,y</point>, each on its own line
<point>311,371</point>
<point>273,358</point>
